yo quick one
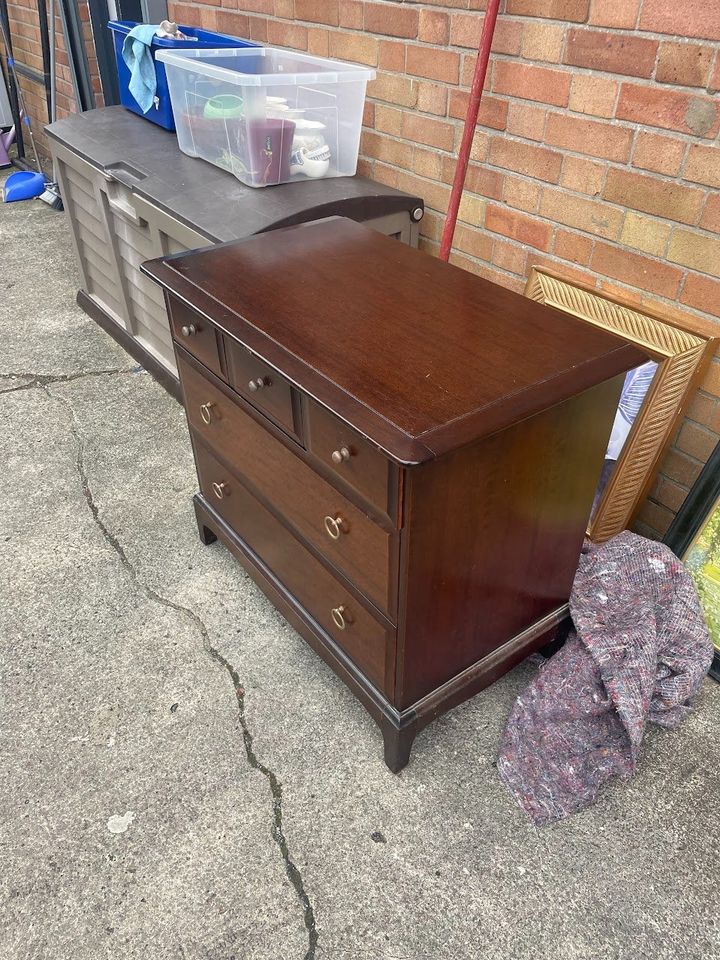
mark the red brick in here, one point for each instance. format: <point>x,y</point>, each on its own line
<point>651,195</point>
<point>493,111</point>
<point>443,65</point>
<point>432,98</point>
<point>434,27</point>
<point>537,162</point>
<point>702,293</point>
<point>319,42</point>
<point>509,256</point>
<point>317,11</point>
<point>589,136</point>
<point>688,64</point>
<point>393,89</point>
<point>653,520</point>
<point>522,194</point>
<point>236,24</point>
<point>465,29</point>
<point>621,14</point>
<point>573,10</point>
<point>532,83</point>
<point>426,163</point>
<point>388,120</point>
<point>588,215</point>
<point>681,468</point>
<point>516,225</point>
<point>356,47</point>
<point>436,195</point>
<point>393,20</point>
<point>710,219</point>
<point>391,56</point>
<point>670,109</point>
<point>368,114</point>
<point>435,133</point>
<point>658,153</point>
<point>714,85</point>
<point>583,176</point>
<point>703,165</point>
<point>480,180</point>
<point>284,34</point>
<point>711,380</point>
<point>350,14</point>
<point>573,246</point>
<point>636,270</point>
<point>683,18</point>
<point>593,95</point>
<point>526,121</point>
<point>384,148</point>
<point>258,29</point>
<point>543,41</point>
<point>706,410</point>
<point>695,440</point>
<point>475,242</point>
<point>611,52</point>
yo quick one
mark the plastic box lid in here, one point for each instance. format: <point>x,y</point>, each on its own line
<point>265,66</point>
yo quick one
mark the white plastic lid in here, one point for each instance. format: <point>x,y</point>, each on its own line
<point>283,66</point>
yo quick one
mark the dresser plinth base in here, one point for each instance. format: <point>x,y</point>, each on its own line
<point>398,727</point>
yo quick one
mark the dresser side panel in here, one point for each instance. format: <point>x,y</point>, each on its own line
<point>492,537</point>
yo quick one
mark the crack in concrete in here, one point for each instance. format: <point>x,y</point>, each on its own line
<point>275,785</point>
<point>43,380</point>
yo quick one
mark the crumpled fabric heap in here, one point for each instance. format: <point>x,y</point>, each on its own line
<point>638,652</point>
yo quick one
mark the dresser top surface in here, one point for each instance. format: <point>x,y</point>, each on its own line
<point>420,356</point>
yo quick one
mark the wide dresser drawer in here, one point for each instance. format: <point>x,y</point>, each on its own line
<point>322,515</point>
<point>329,604</point>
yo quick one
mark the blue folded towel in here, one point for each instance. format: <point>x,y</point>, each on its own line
<point>136,54</point>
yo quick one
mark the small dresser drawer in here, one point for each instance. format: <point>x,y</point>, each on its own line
<point>261,386</point>
<point>196,334</point>
<point>352,458</point>
<point>329,604</point>
<point>355,544</point>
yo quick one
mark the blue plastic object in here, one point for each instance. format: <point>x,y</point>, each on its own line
<point>23,185</point>
<point>161,113</point>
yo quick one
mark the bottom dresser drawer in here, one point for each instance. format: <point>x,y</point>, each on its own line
<point>329,604</point>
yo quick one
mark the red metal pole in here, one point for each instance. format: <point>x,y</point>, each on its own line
<point>476,90</point>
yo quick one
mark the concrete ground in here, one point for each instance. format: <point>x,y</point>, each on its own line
<point>181,777</point>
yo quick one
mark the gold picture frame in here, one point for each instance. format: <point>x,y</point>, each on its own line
<point>680,344</point>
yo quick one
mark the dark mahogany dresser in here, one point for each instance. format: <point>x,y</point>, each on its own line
<point>401,454</point>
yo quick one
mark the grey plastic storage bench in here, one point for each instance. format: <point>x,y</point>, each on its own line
<point>131,195</point>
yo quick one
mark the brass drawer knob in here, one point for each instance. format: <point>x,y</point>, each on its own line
<point>258,384</point>
<point>340,617</point>
<point>189,330</point>
<point>220,490</point>
<point>334,526</point>
<point>339,456</point>
<point>206,411</point>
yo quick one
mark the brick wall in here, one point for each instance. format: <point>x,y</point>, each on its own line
<point>596,151</point>
<point>25,38</point>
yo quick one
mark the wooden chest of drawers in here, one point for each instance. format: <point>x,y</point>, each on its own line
<point>401,454</point>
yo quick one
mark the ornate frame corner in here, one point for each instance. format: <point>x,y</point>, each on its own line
<point>681,345</point>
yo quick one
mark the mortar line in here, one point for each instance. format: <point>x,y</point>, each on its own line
<point>274,783</point>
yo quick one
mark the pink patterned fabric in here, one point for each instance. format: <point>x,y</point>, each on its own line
<point>639,651</point>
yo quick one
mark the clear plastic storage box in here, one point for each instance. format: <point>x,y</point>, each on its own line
<point>267,115</point>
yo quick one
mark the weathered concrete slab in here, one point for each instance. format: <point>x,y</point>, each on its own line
<point>181,777</point>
